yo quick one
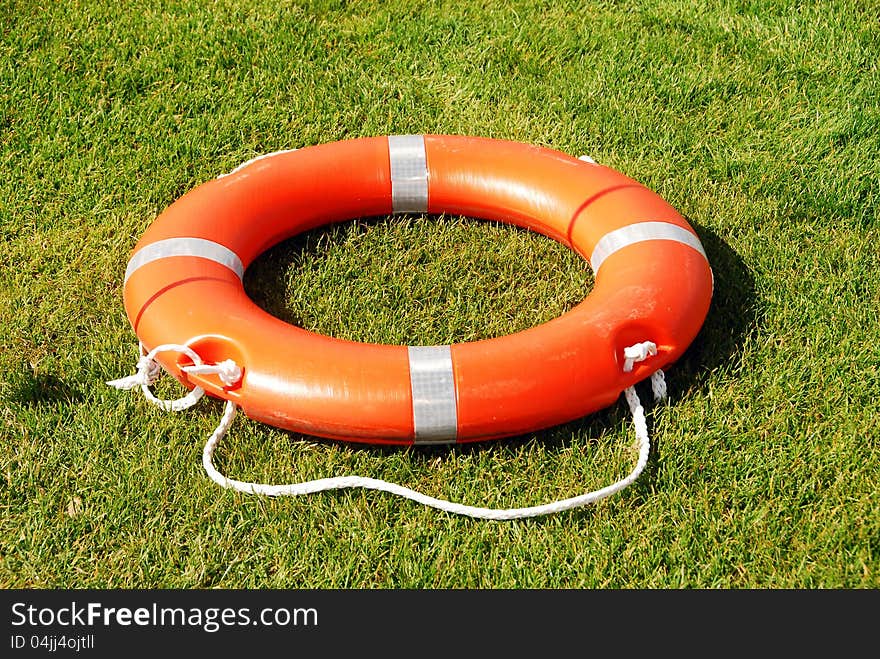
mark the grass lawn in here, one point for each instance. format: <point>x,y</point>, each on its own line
<point>758,120</point>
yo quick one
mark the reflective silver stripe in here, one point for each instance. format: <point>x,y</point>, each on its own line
<point>409,173</point>
<point>206,249</point>
<point>435,417</point>
<point>640,232</point>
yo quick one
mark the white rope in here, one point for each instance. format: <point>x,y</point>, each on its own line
<point>342,482</point>
<point>637,353</point>
<point>149,370</point>
<point>658,385</point>
<point>228,371</point>
<point>231,370</point>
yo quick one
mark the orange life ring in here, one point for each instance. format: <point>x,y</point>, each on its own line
<point>183,285</point>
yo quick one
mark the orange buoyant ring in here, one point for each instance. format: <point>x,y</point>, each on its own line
<point>183,285</point>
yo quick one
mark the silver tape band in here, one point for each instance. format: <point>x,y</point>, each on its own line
<point>640,232</point>
<point>435,417</point>
<point>409,173</point>
<point>205,249</point>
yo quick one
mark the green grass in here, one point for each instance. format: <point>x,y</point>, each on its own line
<point>760,121</point>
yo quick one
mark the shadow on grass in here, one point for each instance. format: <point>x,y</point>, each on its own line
<point>731,318</point>
<point>29,389</point>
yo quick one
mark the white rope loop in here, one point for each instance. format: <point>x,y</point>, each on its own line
<point>149,371</point>
<point>498,514</point>
<point>639,352</point>
<point>229,373</point>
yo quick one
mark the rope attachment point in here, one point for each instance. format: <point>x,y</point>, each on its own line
<point>228,371</point>
<point>149,371</point>
<point>638,352</point>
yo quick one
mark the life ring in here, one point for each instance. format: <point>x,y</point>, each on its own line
<point>183,285</point>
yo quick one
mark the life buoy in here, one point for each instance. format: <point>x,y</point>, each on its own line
<point>183,285</point>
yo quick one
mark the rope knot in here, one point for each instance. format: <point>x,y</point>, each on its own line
<point>148,373</point>
<point>229,372</point>
<point>149,370</point>
<point>638,352</point>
